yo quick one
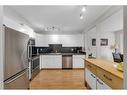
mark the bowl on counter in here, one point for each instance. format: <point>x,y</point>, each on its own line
<point>119,66</point>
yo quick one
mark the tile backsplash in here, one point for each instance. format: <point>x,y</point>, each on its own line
<point>57,49</point>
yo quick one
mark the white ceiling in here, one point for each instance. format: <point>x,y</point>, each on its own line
<point>66,17</point>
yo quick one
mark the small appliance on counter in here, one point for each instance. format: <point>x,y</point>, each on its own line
<point>34,59</point>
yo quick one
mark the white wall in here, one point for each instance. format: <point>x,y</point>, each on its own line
<point>1,47</point>
<point>14,21</point>
<point>99,51</point>
<point>119,40</point>
<point>113,23</point>
<point>17,26</point>
<point>104,29</point>
<point>66,40</point>
<point>125,47</point>
<point>88,42</point>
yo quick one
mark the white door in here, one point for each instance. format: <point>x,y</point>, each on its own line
<point>78,61</point>
<point>90,79</point>
<point>102,85</point>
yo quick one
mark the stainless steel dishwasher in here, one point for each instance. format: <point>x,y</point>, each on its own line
<point>66,61</point>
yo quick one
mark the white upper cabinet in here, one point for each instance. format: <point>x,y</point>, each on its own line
<point>65,40</point>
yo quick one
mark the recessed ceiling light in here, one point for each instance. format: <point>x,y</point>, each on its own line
<point>81,16</point>
<point>83,9</point>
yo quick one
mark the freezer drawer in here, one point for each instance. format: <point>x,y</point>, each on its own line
<point>19,81</point>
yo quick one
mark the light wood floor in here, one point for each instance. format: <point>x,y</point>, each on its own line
<point>58,79</point>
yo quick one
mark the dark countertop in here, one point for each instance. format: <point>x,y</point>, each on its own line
<point>33,57</point>
<point>62,53</point>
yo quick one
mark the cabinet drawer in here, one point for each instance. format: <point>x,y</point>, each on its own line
<point>90,79</point>
<point>102,85</point>
<point>91,67</point>
<point>110,79</point>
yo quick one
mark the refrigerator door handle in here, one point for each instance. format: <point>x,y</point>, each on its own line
<point>7,82</point>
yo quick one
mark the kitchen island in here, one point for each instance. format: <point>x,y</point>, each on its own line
<point>102,74</point>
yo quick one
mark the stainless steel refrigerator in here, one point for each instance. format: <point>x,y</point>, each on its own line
<point>16,61</point>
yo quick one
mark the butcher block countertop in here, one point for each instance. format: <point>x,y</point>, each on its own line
<point>107,66</point>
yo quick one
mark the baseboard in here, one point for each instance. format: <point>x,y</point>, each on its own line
<point>87,85</point>
<point>78,68</point>
<point>51,69</point>
<point>61,69</point>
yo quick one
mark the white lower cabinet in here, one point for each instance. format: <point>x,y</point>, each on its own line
<point>102,85</point>
<point>78,61</point>
<point>94,82</point>
<point>90,79</point>
<point>55,61</point>
<point>1,86</point>
<point>51,61</point>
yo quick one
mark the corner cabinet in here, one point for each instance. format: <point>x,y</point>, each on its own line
<point>51,62</point>
<point>78,61</point>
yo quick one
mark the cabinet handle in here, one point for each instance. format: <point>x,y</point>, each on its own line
<point>107,77</point>
<point>89,66</point>
<point>92,75</point>
<point>99,82</point>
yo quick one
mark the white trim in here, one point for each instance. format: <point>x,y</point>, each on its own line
<point>125,47</point>
<point>1,47</point>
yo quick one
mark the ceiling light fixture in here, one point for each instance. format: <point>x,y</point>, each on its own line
<point>81,16</point>
<point>83,9</point>
<point>52,28</point>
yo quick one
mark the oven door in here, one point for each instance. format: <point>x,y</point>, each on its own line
<point>35,66</point>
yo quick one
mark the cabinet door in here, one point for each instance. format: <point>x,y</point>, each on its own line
<point>90,79</point>
<point>43,61</point>
<point>1,85</point>
<point>102,85</point>
<point>78,61</point>
<point>56,61</point>
<point>51,61</point>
